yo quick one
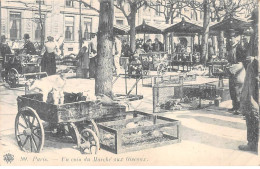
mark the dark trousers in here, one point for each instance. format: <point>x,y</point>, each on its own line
<point>252,123</point>
<point>92,67</point>
<point>235,90</point>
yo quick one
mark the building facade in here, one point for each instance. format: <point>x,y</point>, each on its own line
<point>61,18</point>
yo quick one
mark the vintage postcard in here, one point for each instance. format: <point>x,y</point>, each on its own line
<point>129,83</point>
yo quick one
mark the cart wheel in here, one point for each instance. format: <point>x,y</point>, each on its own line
<point>13,77</point>
<point>89,140</point>
<point>74,133</point>
<point>93,126</point>
<point>29,131</point>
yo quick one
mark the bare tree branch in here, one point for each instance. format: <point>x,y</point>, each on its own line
<point>87,5</point>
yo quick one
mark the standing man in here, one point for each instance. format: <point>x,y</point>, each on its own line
<point>84,60</point>
<point>236,72</point>
<point>242,51</point>
<point>4,49</point>
<point>250,92</point>
<point>28,45</point>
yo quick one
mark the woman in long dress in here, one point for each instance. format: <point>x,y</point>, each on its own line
<point>48,61</point>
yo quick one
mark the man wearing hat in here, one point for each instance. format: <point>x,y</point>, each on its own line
<point>28,45</point>
<point>5,49</point>
<point>250,92</point>
<point>236,73</point>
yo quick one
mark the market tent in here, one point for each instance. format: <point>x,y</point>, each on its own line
<point>145,28</point>
<point>238,25</point>
<point>121,29</point>
<point>184,28</point>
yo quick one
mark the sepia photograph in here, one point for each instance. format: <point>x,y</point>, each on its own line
<point>129,83</point>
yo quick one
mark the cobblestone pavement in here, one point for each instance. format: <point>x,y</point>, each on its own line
<point>210,136</point>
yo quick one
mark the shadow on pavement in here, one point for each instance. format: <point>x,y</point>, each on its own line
<point>218,122</point>
<point>209,139</point>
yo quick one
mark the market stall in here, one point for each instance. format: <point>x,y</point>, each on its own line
<point>230,27</point>
<point>185,53</point>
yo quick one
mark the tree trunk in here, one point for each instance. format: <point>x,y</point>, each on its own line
<point>131,22</point>
<point>221,44</point>
<point>104,74</point>
<point>205,35</point>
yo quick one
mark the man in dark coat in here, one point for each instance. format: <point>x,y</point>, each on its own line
<point>28,45</point>
<point>157,46</point>
<point>250,93</point>
<point>242,51</point>
<point>4,49</point>
<point>236,77</point>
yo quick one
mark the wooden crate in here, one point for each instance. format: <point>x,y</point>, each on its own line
<point>116,137</point>
<point>164,93</point>
<point>161,80</point>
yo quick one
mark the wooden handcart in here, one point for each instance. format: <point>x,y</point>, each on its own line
<point>76,120</point>
<point>20,68</point>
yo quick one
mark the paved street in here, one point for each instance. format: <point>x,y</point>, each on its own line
<point>210,136</point>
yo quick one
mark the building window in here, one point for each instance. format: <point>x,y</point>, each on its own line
<point>38,1</point>
<point>37,32</point>
<point>87,28</point>
<point>69,28</point>
<point>15,25</point>
<point>119,22</point>
<point>69,3</point>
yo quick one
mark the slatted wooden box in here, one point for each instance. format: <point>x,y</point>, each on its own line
<point>165,92</point>
<point>141,132</point>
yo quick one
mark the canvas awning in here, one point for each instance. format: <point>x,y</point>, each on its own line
<point>238,25</point>
<point>145,28</point>
<point>184,28</point>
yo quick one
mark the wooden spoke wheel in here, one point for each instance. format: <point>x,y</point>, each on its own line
<point>13,77</point>
<point>29,131</point>
<point>89,141</point>
<point>72,131</point>
<point>93,127</point>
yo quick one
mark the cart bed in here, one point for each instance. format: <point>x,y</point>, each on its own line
<point>70,112</point>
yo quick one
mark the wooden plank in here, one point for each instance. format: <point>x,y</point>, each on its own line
<point>169,136</point>
<point>146,146</point>
<point>110,123</point>
<point>118,140</point>
<point>108,129</point>
<point>142,113</point>
<point>152,127</point>
<point>106,147</point>
<point>166,119</point>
